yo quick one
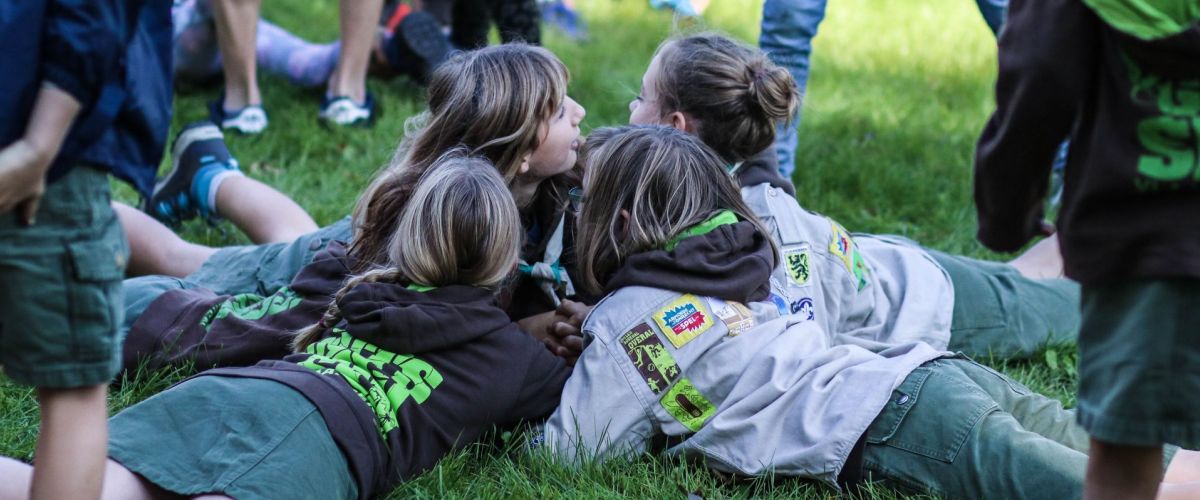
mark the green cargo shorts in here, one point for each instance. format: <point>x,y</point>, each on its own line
<point>1139,363</point>
<point>242,437</point>
<point>1000,313</point>
<point>60,286</point>
<point>958,429</point>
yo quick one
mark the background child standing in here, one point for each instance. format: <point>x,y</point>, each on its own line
<point>1122,78</point>
<point>86,92</point>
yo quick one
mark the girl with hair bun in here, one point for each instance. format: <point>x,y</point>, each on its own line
<point>876,291</point>
<point>411,360</point>
<point>687,353</point>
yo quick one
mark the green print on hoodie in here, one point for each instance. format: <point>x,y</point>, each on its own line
<point>383,379</point>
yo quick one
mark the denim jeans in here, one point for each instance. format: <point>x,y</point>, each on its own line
<point>788,27</point>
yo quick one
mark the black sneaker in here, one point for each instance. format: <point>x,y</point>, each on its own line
<point>417,46</point>
<point>197,146</point>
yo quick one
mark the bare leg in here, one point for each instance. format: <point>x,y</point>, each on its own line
<point>264,214</point>
<point>72,443</point>
<point>1119,472</point>
<point>119,482</point>
<point>155,248</point>
<point>1041,261</point>
<point>359,21</point>
<point>1179,491</point>
<point>237,28</point>
<point>1184,467</point>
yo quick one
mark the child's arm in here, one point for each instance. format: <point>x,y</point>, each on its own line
<point>1047,60</point>
<point>23,164</point>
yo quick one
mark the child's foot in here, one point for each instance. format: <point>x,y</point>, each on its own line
<point>417,46</point>
<point>200,161</point>
<point>248,120</point>
<point>342,111</point>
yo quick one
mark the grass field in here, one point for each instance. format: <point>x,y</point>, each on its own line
<point>898,94</point>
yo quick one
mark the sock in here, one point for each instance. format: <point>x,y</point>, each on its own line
<point>303,63</point>
<point>208,181</point>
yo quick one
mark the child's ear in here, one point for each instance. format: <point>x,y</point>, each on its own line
<point>681,122</point>
<point>524,167</point>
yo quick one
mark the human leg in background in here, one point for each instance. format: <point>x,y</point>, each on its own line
<point>993,12</point>
<point>470,21</point>
<point>788,28</point>
<point>237,29</point>
<point>346,99</point>
<point>518,21</point>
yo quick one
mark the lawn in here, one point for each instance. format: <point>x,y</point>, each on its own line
<point>898,94</point>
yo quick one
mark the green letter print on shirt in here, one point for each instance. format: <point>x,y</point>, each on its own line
<point>383,379</point>
<point>1172,138</point>
<point>251,307</point>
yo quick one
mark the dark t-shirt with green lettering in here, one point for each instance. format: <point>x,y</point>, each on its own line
<point>1127,94</point>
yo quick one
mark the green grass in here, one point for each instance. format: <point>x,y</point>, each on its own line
<point>898,94</point>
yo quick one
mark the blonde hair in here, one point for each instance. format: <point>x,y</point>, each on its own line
<point>460,227</point>
<point>734,94</point>
<point>492,101</point>
<point>667,181</point>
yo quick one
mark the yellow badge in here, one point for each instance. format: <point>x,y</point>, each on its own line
<point>683,320</point>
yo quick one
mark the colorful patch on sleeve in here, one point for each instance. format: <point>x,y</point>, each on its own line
<point>804,308</point>
<point>844,248</point>
<point>737,317</point>
<point>796,260</point>
<point>683,320</point>
<point>651,359</point>
<point>687,405</point>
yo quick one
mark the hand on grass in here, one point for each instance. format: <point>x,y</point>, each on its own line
<point>22,179</point>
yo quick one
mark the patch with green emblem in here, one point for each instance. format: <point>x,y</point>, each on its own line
<point>651,359</point>
<point>796,260</point>
<point>687,405</point>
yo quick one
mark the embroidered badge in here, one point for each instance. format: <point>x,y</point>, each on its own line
<point>687,405</point>
<point>796,261</point>
<point>844,248</point>
<point>683,320</point>
<point>737,318</point>
<point>780,304</point>
<point>804,308</point>
<point>651,359</point>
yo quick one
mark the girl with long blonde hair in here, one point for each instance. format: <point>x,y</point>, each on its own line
<point>507,104</point>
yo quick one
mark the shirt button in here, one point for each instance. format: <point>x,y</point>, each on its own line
<point>315,245</point>
<point>902,400</point>
<point>772,192</point>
